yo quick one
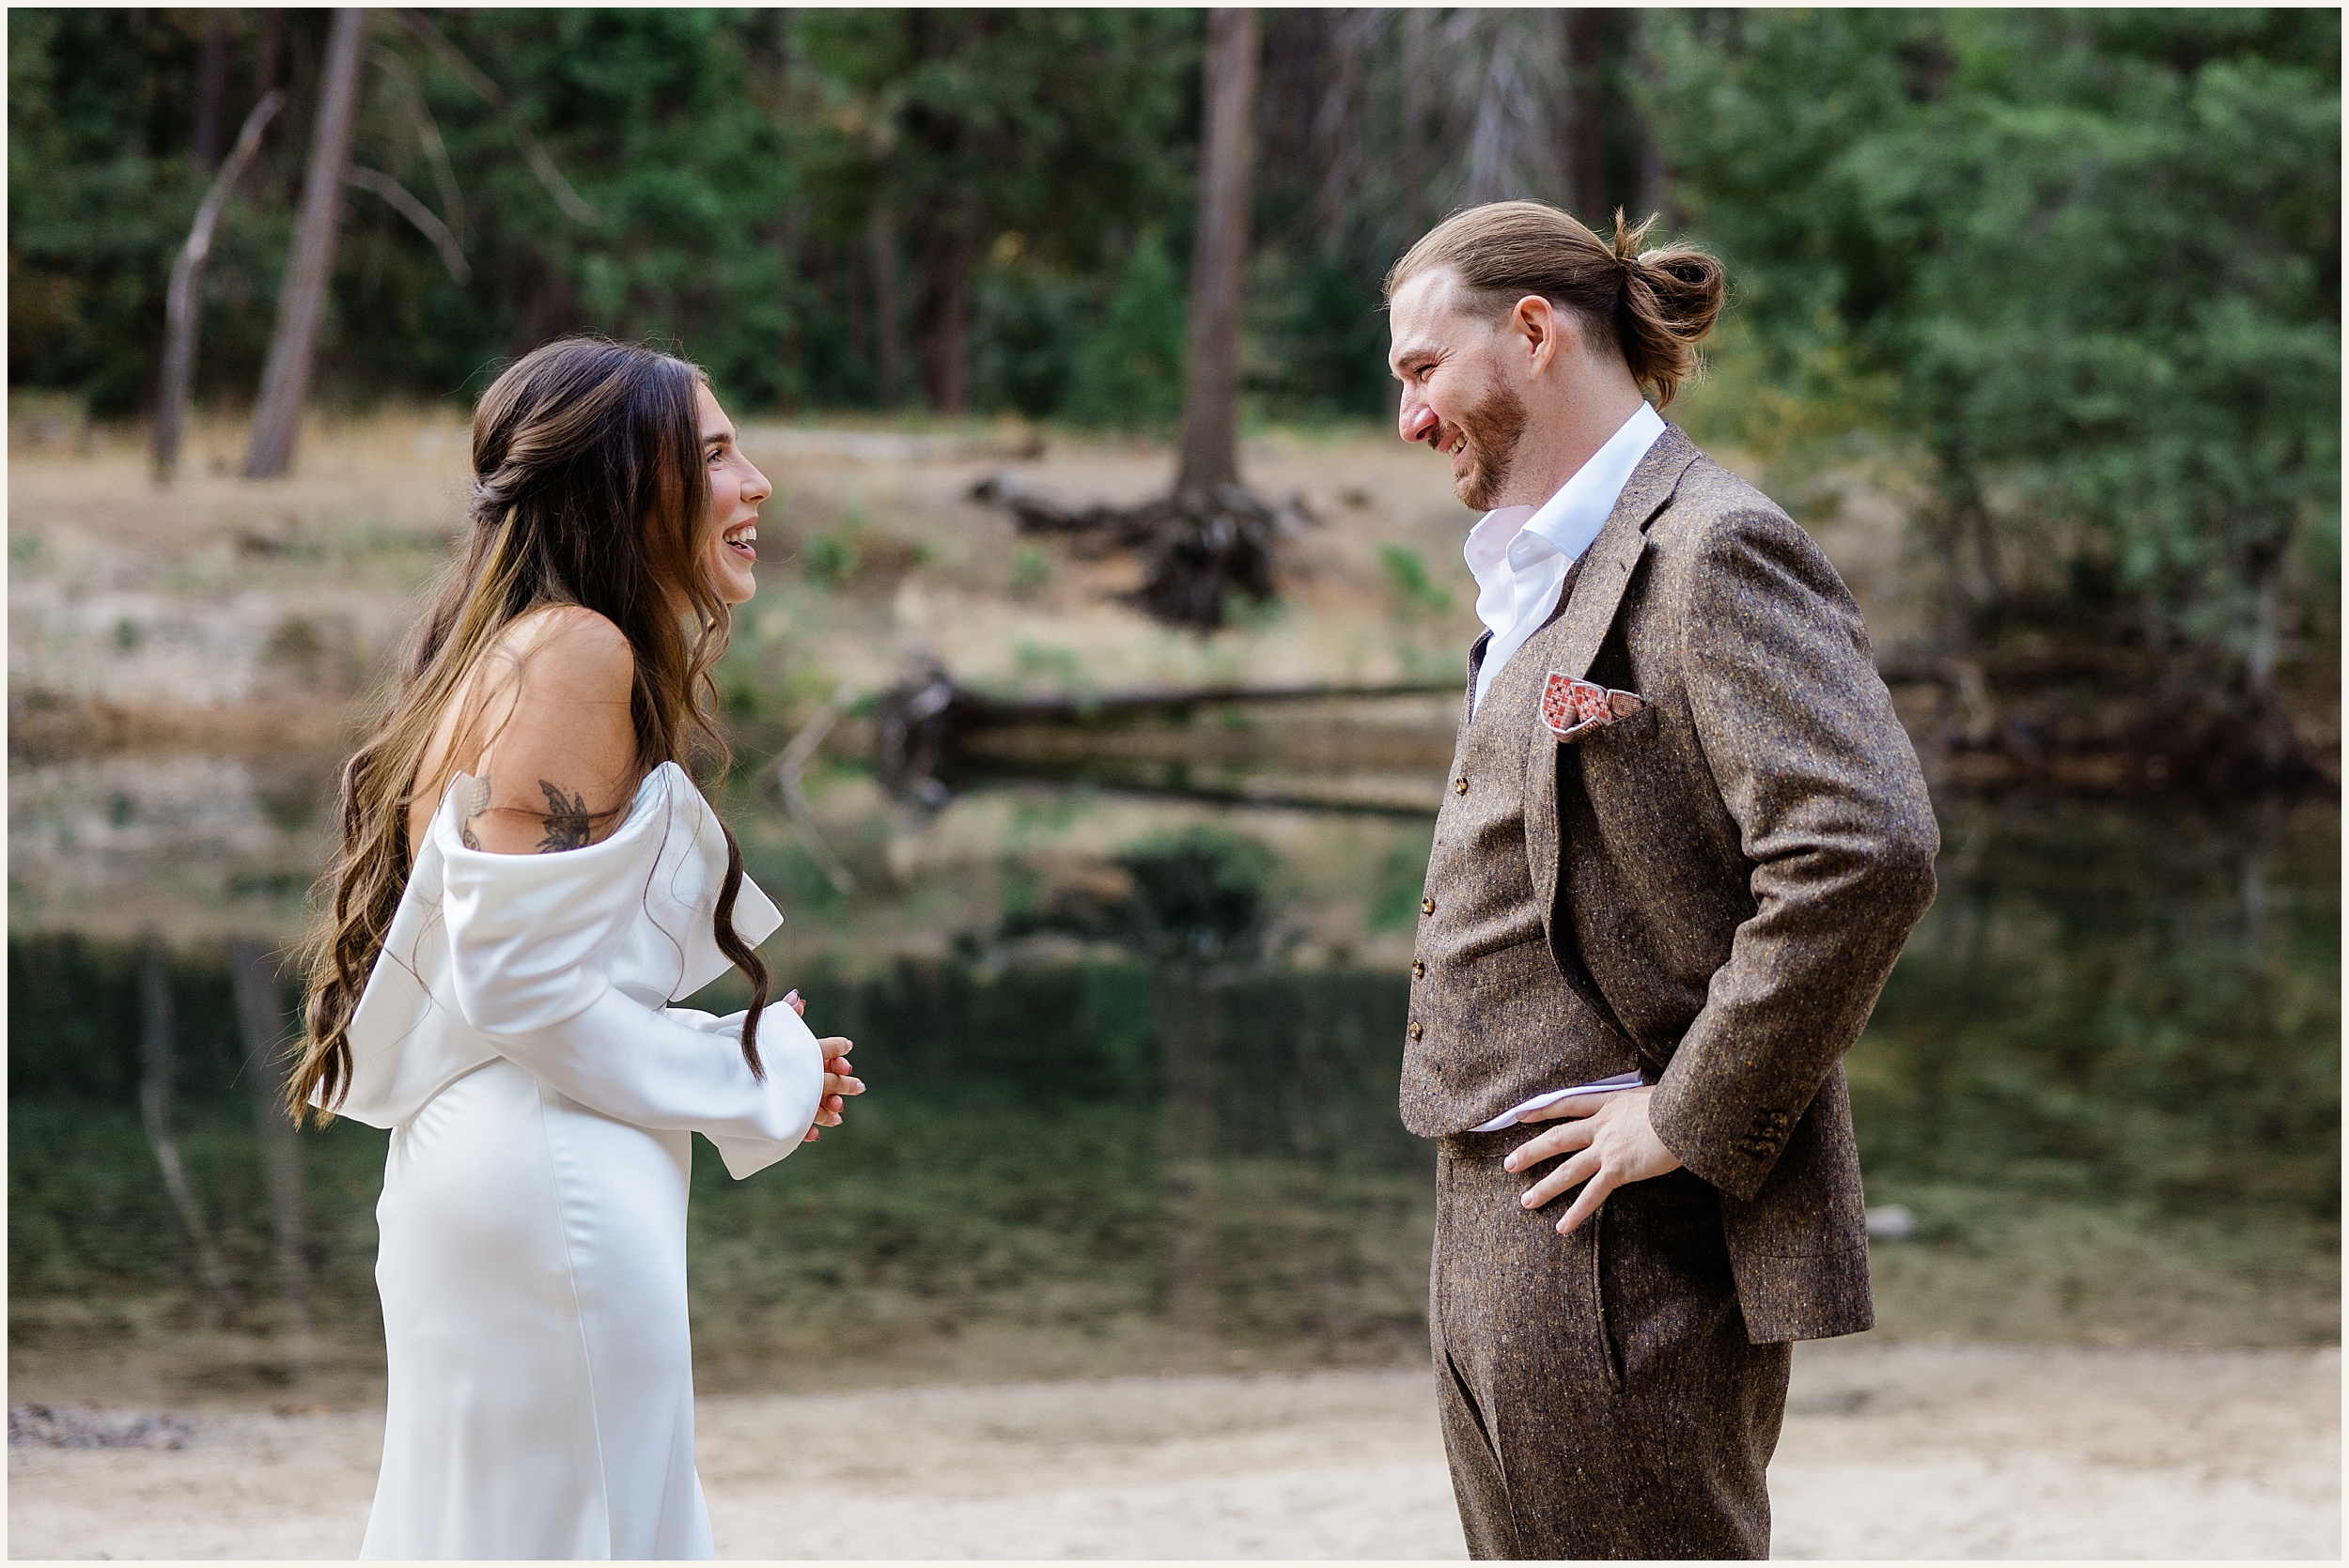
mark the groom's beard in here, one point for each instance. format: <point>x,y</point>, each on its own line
<point>1493,428</point>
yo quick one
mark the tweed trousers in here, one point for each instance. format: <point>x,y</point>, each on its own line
<point>1599,1396</point>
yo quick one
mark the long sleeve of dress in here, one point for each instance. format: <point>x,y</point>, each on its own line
<point>531,941</point>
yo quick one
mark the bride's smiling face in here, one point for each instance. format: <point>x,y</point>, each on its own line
<point>730,553</point>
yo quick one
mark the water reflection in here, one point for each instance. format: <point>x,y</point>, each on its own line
<point>1134,1071</point>
<point>194,845</point>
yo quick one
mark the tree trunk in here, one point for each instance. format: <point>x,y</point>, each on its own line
<point>212,90</point>
<point>1210,457</point>
<point>301,304</point>
<point>261,1016</point>
<point>270,72</point>
<point>1413,163</point>
<point>1584,156</point>
<point>888,348</point>
<point>942,312</point>
<point>184,300</point>
<point>1609,158</point>
<point>157,1042</point>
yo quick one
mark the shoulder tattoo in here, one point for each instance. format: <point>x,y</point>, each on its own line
<point>479,803</point>
<point>566,820</point>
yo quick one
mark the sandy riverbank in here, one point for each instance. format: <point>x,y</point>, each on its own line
<point>1889,1450</point>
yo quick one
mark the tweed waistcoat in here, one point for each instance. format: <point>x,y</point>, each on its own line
<point>1493,1020</point>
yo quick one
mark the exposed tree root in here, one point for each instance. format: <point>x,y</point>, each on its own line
<point>1199,549</point>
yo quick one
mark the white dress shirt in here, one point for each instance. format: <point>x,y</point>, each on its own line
<point>1520,554</point>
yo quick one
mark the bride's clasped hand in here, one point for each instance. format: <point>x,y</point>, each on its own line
<point>839,1078</point>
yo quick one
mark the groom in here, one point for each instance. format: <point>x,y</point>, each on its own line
<point>1681,843</point>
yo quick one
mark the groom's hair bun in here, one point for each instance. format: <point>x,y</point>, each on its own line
<point>1657,303</point>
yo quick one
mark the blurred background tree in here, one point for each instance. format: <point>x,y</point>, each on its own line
<point>2091,260</point>
<point>2085,264</point>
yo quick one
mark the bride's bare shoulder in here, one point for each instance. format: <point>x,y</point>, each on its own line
<point>560,763</point>
<point>566,651</point>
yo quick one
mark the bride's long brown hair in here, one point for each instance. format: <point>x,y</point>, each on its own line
<point>588,489</point>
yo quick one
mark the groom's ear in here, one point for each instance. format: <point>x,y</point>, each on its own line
<point>1544,332</point>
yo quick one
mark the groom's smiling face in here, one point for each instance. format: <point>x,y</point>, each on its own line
<point>1458,392</point>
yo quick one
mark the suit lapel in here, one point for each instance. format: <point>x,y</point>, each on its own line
<point>1593,592</point>
<point>1605,569</point>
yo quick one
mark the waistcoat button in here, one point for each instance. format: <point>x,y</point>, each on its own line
<point>1427,906</point>
<point>1459,785</point>
<point>1419,971</point>
<point>1416,1029</point>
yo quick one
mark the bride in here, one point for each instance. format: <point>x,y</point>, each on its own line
<point>526,879</point>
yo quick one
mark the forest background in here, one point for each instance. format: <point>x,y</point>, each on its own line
<point>2034,323</point>
<point>2080,269</point>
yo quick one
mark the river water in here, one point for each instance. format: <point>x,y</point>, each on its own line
<point>1132,1061</point>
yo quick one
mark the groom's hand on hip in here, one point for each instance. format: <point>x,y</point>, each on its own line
<point>1610,1141</point>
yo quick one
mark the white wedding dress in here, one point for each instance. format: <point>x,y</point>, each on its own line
<point>516,1038</point>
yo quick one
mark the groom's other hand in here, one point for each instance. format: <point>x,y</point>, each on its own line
<point>1612,1142</point>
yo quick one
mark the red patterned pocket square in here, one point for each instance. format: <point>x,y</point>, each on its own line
<point>1573,708</point>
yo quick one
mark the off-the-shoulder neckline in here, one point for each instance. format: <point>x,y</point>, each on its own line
<point>444,833</point>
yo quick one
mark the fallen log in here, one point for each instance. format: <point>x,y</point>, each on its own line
<point>921,725</point>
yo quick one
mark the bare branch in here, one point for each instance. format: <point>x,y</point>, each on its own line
<point>790,779</point>
<point>572,204</point>
<point>407,206</point>
<point>180,299</point>
<point>428,131</point>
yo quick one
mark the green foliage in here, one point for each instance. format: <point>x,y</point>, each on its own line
<point>99,194</point>
<point>1316,343</point>
<point>1031,321</point>
<point>2091,259</point>
<point>1406,575</point>
<point>732,160</point>
<point>1063,668</point>
<point>830,559</point>
<point>1031,569</point>
<point>1129,370</point>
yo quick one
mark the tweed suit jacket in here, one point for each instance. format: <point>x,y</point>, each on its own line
<point>1725,878</point>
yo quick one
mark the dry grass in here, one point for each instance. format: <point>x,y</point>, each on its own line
<point>143,597</point>
<point>148,602</point>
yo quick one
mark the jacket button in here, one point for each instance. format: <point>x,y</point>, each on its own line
<point>1459,785</point>
<point>1416,1029</point>
<point>1419,971</point>
<point>1427,906</point>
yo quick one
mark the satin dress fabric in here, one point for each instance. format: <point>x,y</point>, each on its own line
<point>516,1037</point>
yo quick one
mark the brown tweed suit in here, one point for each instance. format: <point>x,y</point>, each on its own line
<point>1713,892</point>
